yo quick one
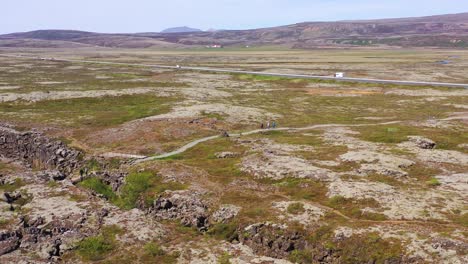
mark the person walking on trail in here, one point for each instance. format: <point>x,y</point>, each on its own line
<point>268,125</point>
<point>273,124</point>
<point>262,126</point>
<point>81,174</point>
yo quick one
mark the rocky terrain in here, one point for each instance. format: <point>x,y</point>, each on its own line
<point>350,173</point>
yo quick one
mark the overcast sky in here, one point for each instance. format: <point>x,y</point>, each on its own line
<point>155,15</point>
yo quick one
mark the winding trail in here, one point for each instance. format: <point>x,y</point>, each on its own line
<point>256,131</point>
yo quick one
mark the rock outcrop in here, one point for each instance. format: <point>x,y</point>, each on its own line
<point>225,213</point>
<point>9,241</point>
<point>185,206</point>
<point>226,155</point>
<point>49,239</point>
<point>272,240</point>
<point>37,150</point>
<point>421,142</point>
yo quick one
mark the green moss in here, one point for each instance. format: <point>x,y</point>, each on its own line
<point>98,247</point>
<point>98,186</point>
<point>433,182</point>
<point>225,258</point>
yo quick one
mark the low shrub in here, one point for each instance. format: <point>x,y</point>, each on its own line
<point>98,186</point>
<point>296,208</point>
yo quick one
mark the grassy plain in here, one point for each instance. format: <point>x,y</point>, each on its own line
<point>357,173</point>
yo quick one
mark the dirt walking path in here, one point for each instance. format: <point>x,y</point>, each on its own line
<point>256,131</point>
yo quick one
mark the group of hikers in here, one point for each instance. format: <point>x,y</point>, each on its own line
<point>268,125</point>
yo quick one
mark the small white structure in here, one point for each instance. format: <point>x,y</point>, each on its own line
<point>214,46</point>
<point>339,75</point>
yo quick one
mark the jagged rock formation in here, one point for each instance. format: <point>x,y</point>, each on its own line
<point>185,206</point>
<point>9,241</point>
<point>272,240</point>
<point>49,239</point>
<point>37,150</point>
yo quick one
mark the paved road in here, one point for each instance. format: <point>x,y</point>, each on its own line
<point>300,76</point>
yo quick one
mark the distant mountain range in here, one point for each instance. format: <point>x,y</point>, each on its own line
<point>432,31</point>
<point>181,30</point>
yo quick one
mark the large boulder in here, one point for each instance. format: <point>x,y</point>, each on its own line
<point>9,242</point>
<point>186,206</point>
<point>272,240</point>
<point>422,142</point>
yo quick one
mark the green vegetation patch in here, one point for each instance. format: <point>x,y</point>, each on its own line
<point>11,187</point>
<point>224,231</point>
<point>139,186</point>
<point>146,186</point>
<point>220,170</point>
<point>459,218</point>
<point>225,258</point>
<point>449,139</point>
<point>370,248</point>
<point>387,134</point>
<point>433,182</point>
<point>353,208</point>
<point>296,208</point>
<point>89,112</point>
<point>362,248</point>
<point>98,247</point>
<point>100,187</point>
<point>154,250</point>
<point>301,188</point>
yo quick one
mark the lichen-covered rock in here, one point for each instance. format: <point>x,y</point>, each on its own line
<point>226,155</point>
<point>422,142</point>
<point>44,238</point>
<point>272,240</point>
<point>225,213</point>
<point>35,149</point>
<point>9,241</point>
<point>185,206</point>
